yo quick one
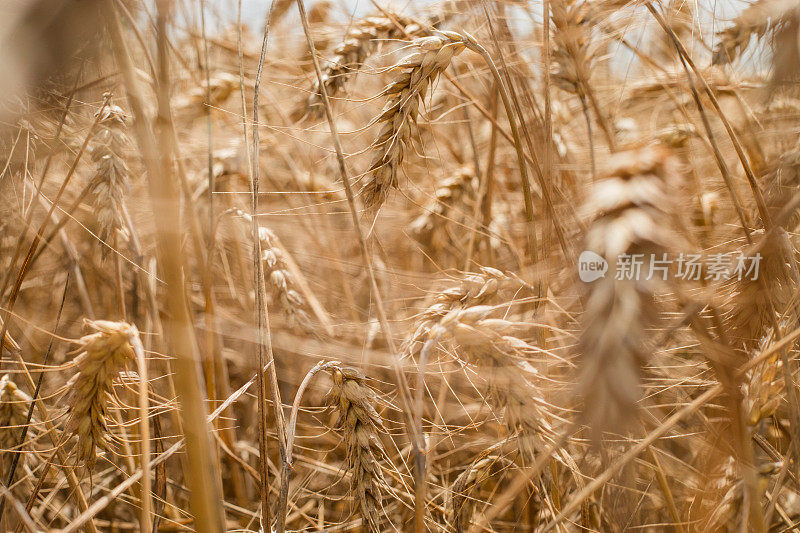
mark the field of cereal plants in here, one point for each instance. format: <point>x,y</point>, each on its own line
<point>450,266</point>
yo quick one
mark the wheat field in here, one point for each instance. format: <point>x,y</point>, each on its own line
<point>449,266</point>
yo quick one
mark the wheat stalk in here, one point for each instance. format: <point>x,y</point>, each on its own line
<point>102,356</point>
<point>355,400</point>
<point>418,72</point>
<point>8,341</point>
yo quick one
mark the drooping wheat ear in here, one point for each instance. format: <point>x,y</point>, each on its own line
<point>472,289</point>
<point>756,20</point>
<point>496,348</point>
<point>461,503</point>
<point>362,39</point>
<point>631,213</point>
<point>427,228</point>
<point>14,405</point>
<point>419,71</point>
<point>280,280</point>
<point>103,355</point>
<point>110,182</point>
<point>757,301</point>
<point>355,400</point>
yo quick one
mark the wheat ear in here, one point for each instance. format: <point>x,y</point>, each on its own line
<point>756,20</point>
<point>360,42</point>
<point>757,301</point>
<point>571,51</point>
<point>280,279</point>
<point>461,504</point>
<point>728,506</point>
<point>418,71</point>
<point>110,182</point>
<point>471,290</point>
<point>426,228</point>
<point>14,405</point>
<point>631,214</point>
<point>355,400</point>
<point>102,356</point>
<point>496,348</point>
